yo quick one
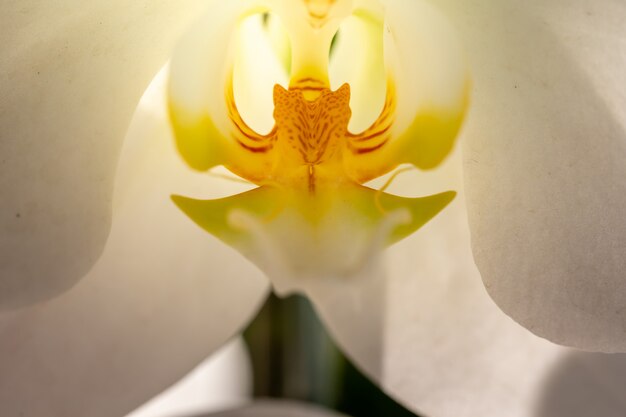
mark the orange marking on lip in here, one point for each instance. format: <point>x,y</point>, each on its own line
<point>310,137</point>
<point>314,128</point>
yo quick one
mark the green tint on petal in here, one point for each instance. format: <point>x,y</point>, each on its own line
<point>192,144</point>
<point>332,233</point>
<point>376,205</point>
<point>429,139</point>
<point>213,215</point>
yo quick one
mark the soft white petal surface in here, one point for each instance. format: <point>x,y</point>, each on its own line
<point>275,408</point>
<point>224,380</point>
<point>429,334</point>
<point>545,163</point>
<point>162,297</point>
<point>72,73</point>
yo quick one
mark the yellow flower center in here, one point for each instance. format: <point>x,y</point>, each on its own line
<point>311,214</point>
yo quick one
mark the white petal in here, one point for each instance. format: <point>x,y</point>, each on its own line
<point>276,408</point>
<point>161,298</point>
<point>424,56</point>
<point>545,163</point>
<point>72,74</point>
<point>430,336</point>
<point>224,380</point>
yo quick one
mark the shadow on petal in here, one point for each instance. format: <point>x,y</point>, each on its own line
<point>339,304</point>
<point>585,384</point>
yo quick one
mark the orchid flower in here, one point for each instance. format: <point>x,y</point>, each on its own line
<point>539,185</point>
<point>310,218</point>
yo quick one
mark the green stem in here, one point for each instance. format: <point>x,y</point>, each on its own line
<point>294,358</point>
